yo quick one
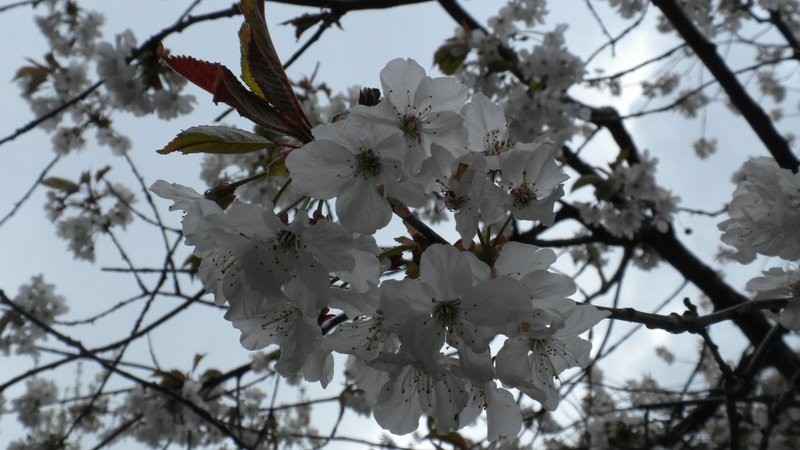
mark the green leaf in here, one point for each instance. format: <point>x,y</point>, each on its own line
<point>450,56</point>
<point>586,180</point>
<point>35,75</point>
<point>101,173</point>
<point>61,184</point>
<point>215,139</point>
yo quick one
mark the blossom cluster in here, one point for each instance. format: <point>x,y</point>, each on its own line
<point>764,213</point>
<point>430,343</point>
<point>38,299</point>
<point>139,86</point>
<point>765,220</point>
<point>87,208</point>
<point>630,198</point>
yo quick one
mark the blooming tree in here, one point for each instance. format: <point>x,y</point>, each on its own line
<point>520,206</point>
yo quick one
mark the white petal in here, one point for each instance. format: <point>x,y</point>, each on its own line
<point>361,209</point>
<point>503,417</point>
<point>440,94</point>
<point>446,270</point>
<point>398,406</point>
<point>320,168</point>
<point>477,367</point>
<point>517,259</point>
<point>400,79</point>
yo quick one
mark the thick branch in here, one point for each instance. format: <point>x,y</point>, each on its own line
<point>675,323</point>
<point>351,5</point>
<point>752,112</point>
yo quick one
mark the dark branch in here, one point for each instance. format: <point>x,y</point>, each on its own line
<point>752,112</point>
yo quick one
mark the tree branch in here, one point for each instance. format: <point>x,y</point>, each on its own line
<point>752,112</point>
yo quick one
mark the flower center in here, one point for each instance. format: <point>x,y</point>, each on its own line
<point>522,195</point>
<point>495,142</point>
<point>368,164</point>
<point>410,123</point>
<point>285,240</point>
<point>447,313</point>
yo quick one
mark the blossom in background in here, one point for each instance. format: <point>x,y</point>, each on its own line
<point>764,213</point>
<point>631,198</point>
<point>38,299</point>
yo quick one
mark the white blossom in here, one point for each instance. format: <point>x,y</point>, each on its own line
<point>361,165</point>
<point>424,109</point>
<point>780,283</point>
<point>764,213</point>
<point>39,299</point>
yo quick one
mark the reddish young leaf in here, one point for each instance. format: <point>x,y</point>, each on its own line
<point>202,73</point>
<point>226,88</point>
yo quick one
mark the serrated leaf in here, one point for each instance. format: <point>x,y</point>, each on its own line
<point>215,139</point>
<point>244,47</point>
<point>586,180</point>
<point>450,56</point>
<point>61,184</point>
<point>262,68</point>
<point>222,83</point>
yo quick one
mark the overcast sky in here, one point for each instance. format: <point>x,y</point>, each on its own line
<point>353,56</point>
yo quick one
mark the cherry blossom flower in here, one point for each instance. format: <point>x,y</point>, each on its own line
<point>453,301</point>
<point>38,299</point>
<point>31,406</point>
<point>503,417</point>
<point>467,191</point>
<point>359,164</point>
<point>411,391</point>
<point>487,128</point>
<point>197,208</point>
<point>365,337</point>
<point>532,180</point>
<point>531,360</point>
<point>297,334</point>
<point>425,109</point>
<point>764,213</point>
